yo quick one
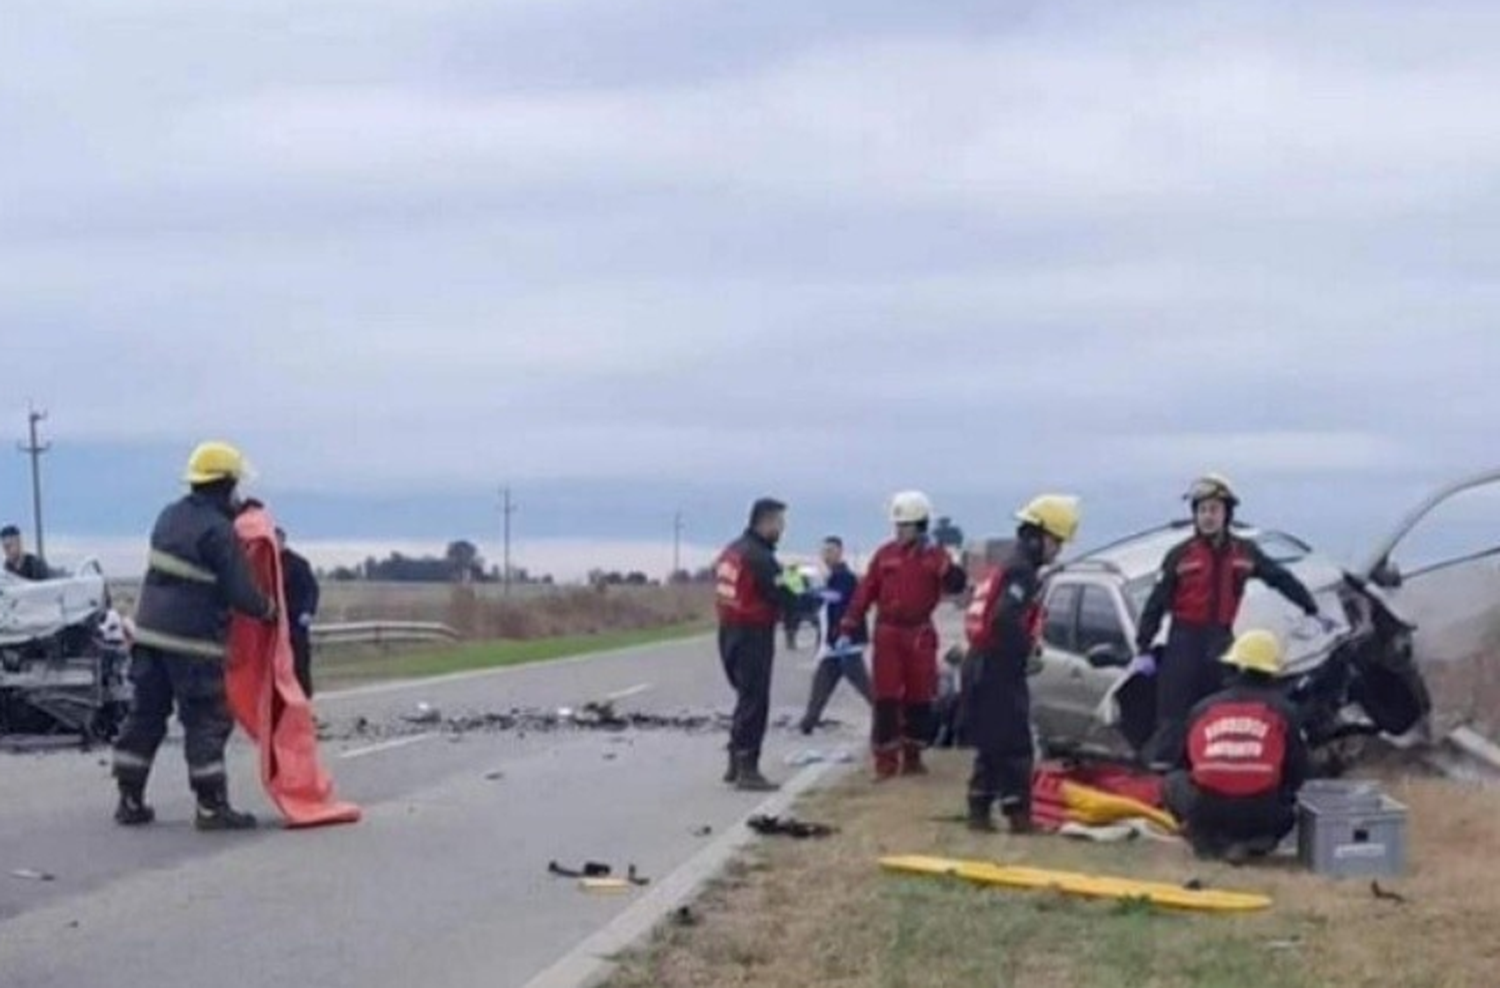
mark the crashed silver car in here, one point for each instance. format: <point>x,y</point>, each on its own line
<point>1360,679</point>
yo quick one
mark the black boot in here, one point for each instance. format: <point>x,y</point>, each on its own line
<point>132,810</point>
<point>733,772</point>
<point>979,816</point>
<point>215,813</point>
<point>749,778</point>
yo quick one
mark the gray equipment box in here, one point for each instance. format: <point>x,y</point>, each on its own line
<point>1350,829</point>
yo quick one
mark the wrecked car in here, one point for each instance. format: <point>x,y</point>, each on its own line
<point>63,657</point>
<point>1360,679</point>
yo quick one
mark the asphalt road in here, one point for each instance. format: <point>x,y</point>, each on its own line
<point>444,882</point>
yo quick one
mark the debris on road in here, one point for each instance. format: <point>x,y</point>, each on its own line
<point>604,885</point>
<point>523,721</point>
<point>684,916</point>
<point>773,826</point>
<point>590,869</point>
<point>32,875</point>
<point>1386,895</point>
<point>813,756</point>
<point>635,878</point>
<point>704,831</point>
<point>495,776</point>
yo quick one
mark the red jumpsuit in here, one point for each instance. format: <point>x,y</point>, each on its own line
<point>904,583</point>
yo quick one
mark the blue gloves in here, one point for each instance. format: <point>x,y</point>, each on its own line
<point>843,644</point>
<point>1145,664</point>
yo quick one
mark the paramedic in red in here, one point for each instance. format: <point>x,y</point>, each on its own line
<point>905,581</point>
<point>1245,759</point>
<point>1201,584</point>
<point>751,599</point>
<point>1003,625</point>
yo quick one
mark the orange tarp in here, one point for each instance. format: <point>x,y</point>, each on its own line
<point>267,700</point>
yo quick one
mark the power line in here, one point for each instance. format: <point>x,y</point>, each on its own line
<point>35,449</point>
<point>676,543</point>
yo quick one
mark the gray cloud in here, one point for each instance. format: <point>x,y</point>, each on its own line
<point>416,246</point>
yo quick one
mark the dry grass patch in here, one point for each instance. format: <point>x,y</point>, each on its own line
<point>798,913</point>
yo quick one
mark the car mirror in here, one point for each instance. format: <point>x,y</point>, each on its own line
<point>1387,575</point>
<point>1107,656</point>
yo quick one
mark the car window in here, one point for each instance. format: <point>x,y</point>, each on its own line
<point>1062,603</point>
<point>1099,621</point>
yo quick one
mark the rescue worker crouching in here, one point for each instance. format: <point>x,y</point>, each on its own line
<point>751,597</point>
<point>196,575</point>
<point>1245,759</point>
<point>1003,625</point>
<point>905,581</point>
<point>1201,584</point>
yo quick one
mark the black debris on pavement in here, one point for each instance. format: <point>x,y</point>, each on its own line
<point>684,916</point>
<point>590,869</point>
<point>32,875</point>
<point>635,877</point>
<point>772,826</point>
<point>704,831</point>
<point>523,721</point>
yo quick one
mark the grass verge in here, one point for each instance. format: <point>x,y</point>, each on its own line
<point>347,670</point>
<point>797,913</point>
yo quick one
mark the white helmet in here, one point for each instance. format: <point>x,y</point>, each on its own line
<point>910,508</point>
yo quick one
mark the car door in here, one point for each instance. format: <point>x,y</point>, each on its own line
<point>1102,630</point>
<point>1049,687</point>
<point>1441,569</point>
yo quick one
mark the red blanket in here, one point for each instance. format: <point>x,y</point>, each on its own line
<point>1049,809</point>
<point>267,700</point>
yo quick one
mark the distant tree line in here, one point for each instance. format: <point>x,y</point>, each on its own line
<point>459,563</point>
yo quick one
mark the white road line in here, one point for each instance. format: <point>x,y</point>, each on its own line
<point>402,685</point>
<point>390,745</point>
<point>629,691</point>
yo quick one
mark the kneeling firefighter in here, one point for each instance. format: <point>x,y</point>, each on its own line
<point>1003,625</point>
<point>1245,759</point>
<point>197,573</point>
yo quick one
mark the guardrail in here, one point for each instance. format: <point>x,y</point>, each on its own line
<point>382,633</point>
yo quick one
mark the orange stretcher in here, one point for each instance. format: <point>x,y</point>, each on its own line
<point>267,700</point>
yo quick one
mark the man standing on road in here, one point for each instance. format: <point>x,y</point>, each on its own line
<point>300,587</point>
<point>1201,583</point>
<point>19,562</point>
<point>197,573</point>
<point>1244,762</point>
<point>1003,626</point>
<point>836,662</point>
<point>751,598</point>
<point>905,582</point>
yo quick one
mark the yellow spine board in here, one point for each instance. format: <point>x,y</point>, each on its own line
<point>1078,883</point>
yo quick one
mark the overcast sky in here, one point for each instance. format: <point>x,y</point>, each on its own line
<point>628,256</point>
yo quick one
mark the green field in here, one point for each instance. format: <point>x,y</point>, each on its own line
<point>345,669</point>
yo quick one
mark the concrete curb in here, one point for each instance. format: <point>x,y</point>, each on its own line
<point>589,963</point>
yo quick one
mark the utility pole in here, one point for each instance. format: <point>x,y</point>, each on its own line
<point>35,449</point>
<point>507,508</point>
<point>676,543</point>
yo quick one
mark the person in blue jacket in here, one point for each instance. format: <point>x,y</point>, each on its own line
<point>835,663</point>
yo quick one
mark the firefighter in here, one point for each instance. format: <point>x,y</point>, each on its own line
<point>1245,759</point>
<point>836,662</point>
<point>905,581</point>
<point>196,575</point>
<point>1201,584</point>
<point>751,597</point>
<point>1003,625</point>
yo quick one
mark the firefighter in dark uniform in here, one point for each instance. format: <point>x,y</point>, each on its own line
<point>1245,759</point>
<point>19,562</point>
<point>1003,626</point>
<point>196,575</point>
<point>300,589</point>
<point>1201,583</point>
<point>751,599</point>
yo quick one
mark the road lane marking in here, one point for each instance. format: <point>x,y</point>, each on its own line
<point>390,745</point>
<point>403,685</point>
<point>629,691</point>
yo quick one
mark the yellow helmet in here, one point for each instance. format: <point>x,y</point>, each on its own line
<point>1255,651</point>
<point>1212,485</point>
<point>213,461</point>
<point>1055,514</point>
